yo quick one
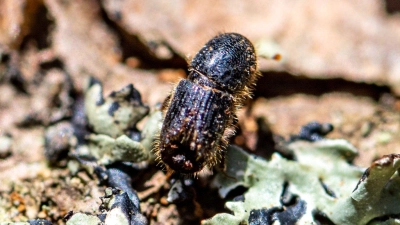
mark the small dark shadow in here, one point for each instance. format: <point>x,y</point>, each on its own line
<point>40,29</point>
<point>392,6</point>
<point>273,84</point>
<point>132,46</point>
<point>321,218</point>
<point>327,190</point>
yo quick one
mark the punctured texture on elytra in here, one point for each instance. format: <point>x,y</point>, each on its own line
<point>201,110</point>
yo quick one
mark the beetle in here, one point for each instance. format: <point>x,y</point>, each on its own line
<point>200,112</point>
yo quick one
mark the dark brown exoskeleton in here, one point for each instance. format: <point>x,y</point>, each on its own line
<point>201,110</point>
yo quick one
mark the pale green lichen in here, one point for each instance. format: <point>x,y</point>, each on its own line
<point>377,194</point>
<point>323,162</point>
<point>150,130</point>
<point>83,219</point>
<point>114,114</point>
<point>390,221</point>
<point>112,119</point>
<point>107,149</point>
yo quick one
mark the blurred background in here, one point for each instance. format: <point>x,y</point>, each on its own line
<point>335,62</point>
